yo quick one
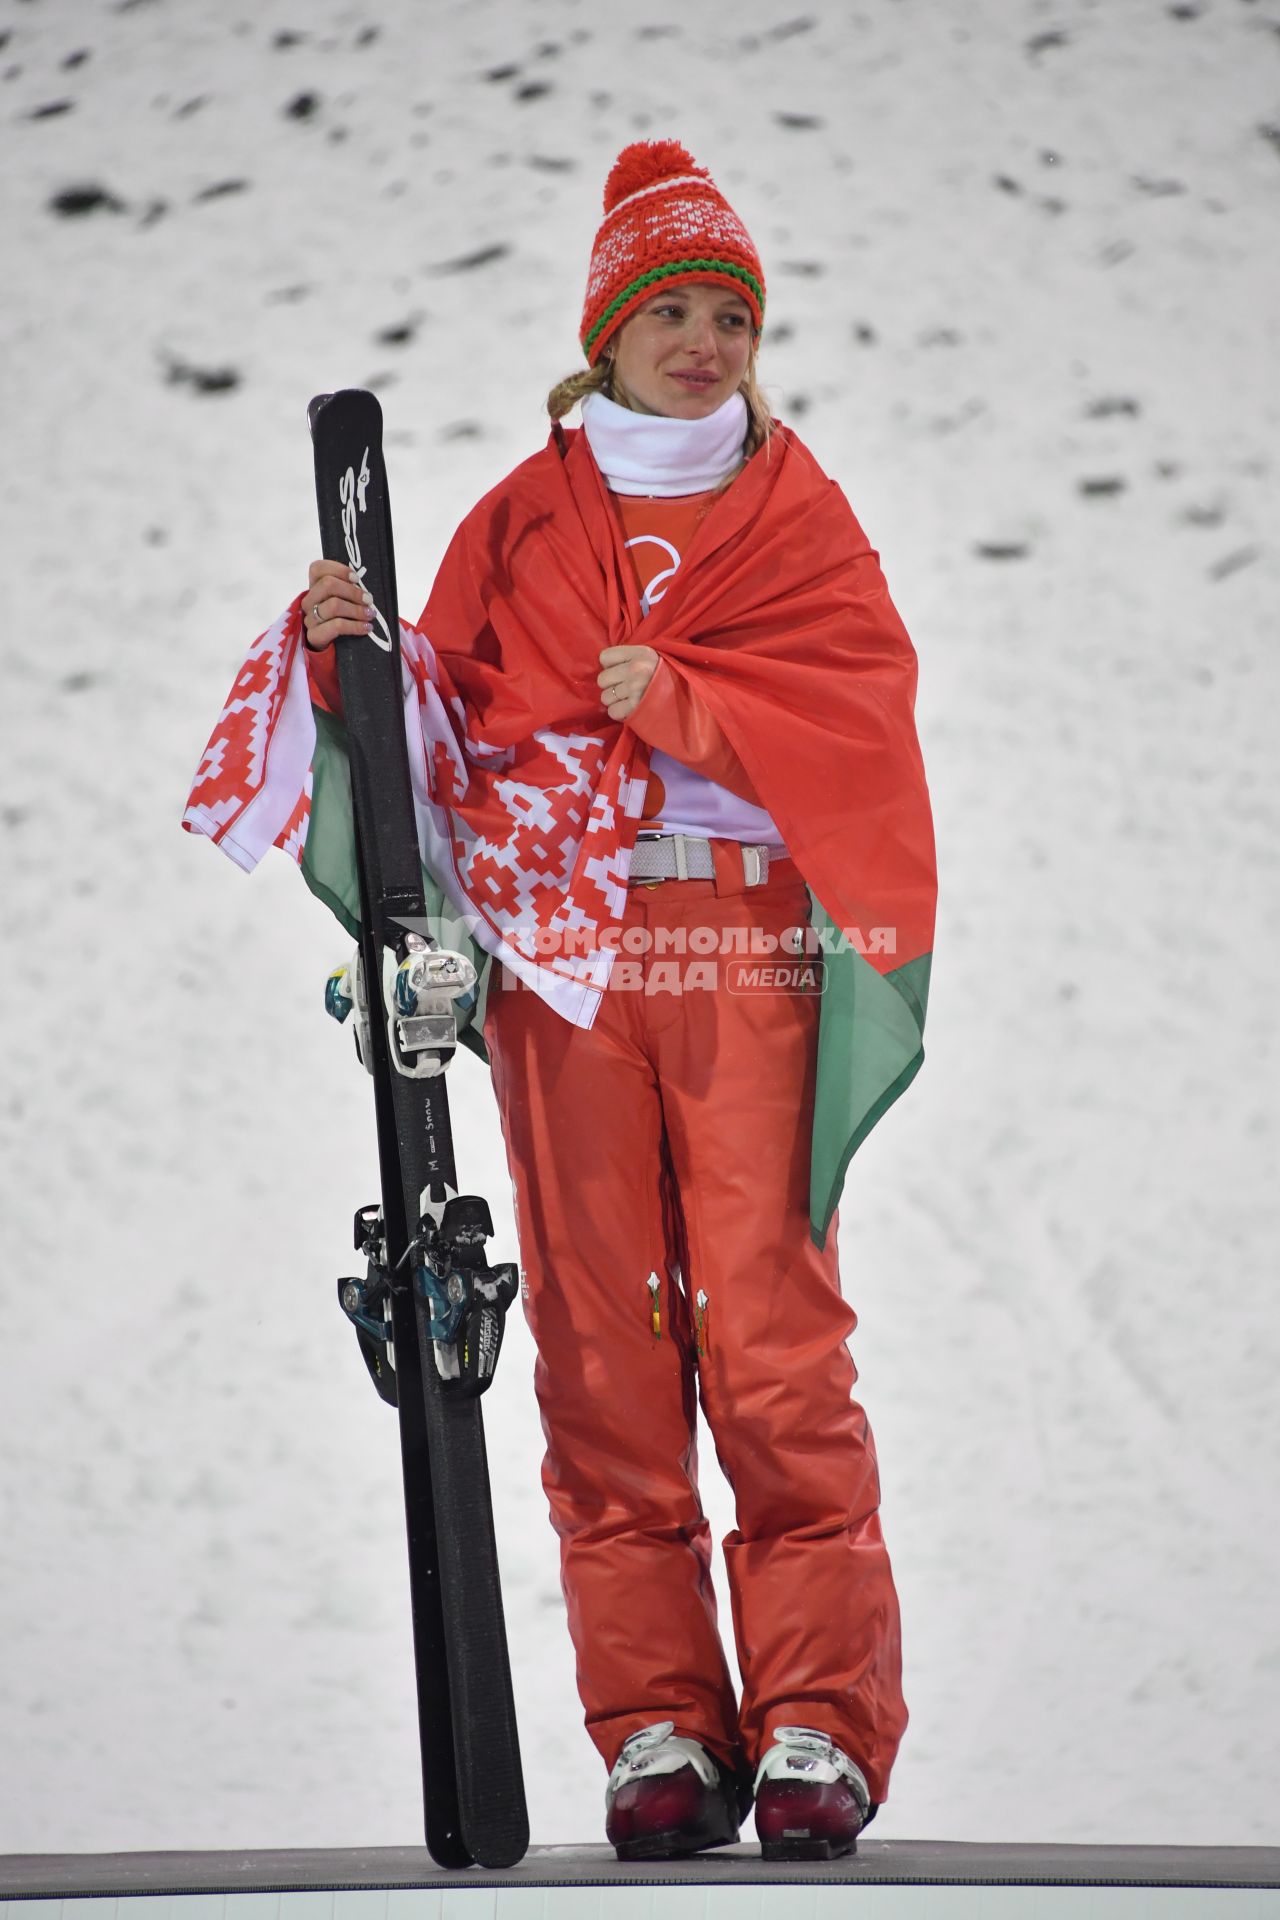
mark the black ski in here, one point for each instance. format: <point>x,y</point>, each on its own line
<point>429,1313</point>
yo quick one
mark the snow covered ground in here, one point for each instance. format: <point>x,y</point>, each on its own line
<point>1022,268</point>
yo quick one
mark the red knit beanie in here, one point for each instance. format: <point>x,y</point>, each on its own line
<point>665,222</point>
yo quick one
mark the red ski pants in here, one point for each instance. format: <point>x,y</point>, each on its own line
<point>660,1168</point>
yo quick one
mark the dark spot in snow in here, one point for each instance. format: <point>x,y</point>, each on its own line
<point>1116,252</point>
<point>398,336</point>
<point>1041,42</point>
<point>804,269</point>
<point>1049,203</point>
<point>1157,189</point>
<point>221,188</point>
<point>1048,158</point>
<point>154,210</point>
<point>863,334</point>
<point>367,36</point>
<point>657,33</point>
<point>1001,549</point>
<point>73,201</point>
<point>379,382</point>
<point>1203,516</point>
<point>1168,469</point>
<point>482,257</point>
<point>286,296</point>
<point>533,90</point>
<point>156,536</point>
<point>1114,403</point>
<point>77,682</point>
<point>202,379</point>
<point>804,23</point>
<point>602,100</point>
<point>783,332</point>
<point>1270,132</point>
<point>462,430</point>
<point>501,73</point>
<point>51,110</point>
<point>302,106</point>
<point>130,6</point>
<point>189,107</point>
<point>337,135</point>
<point>798,122</point>
<point>1007,184</point>
<point>5,38</point>
<point>1183,12</point>
<point>972,409</point>
<point>940,337</point>
<point>1232,562</point>
<point>798,404</point>
<point>1102,488</point>
<point>549,163</point>
<point>287,38</point>
<point>548,49</point>
<point>14,816</point>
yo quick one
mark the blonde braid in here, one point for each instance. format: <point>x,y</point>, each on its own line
<point>576,386</point>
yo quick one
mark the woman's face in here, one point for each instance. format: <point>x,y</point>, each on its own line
<point>684,351</point>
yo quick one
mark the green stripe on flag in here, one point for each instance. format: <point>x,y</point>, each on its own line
<point>870,1049</point>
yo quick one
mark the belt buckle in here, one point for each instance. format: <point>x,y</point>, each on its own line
<point>756,867</point>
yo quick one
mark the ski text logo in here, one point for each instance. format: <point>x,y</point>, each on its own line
<point>351,492</point>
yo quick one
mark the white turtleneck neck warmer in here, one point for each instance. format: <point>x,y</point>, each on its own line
<point>652,453</point>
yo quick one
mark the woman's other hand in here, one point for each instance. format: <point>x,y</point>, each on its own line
<point>335,603</point>
<point>624,678</point>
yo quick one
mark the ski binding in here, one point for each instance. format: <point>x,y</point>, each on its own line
<point>466,1298</point>
<point>420,987</point>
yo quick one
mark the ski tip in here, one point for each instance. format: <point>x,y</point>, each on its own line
<point>317,405</point>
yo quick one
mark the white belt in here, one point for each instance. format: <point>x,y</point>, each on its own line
<point>679,856</point>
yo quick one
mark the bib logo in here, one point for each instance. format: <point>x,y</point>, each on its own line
<point>352,494</point>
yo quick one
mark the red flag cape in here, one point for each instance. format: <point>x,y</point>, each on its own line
<point>779,618</point>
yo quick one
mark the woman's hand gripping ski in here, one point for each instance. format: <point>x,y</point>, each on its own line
<point>625,673</point>
<point>335,603</point>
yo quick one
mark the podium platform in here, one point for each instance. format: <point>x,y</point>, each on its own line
<point>884,1880</point>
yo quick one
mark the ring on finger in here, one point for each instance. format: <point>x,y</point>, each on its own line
<point>316,614</point>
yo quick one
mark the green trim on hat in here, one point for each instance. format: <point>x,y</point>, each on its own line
<point>673,267</point>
